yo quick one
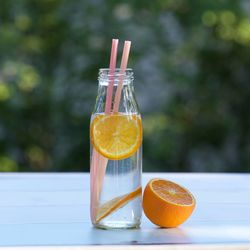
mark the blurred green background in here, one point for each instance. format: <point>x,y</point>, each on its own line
<point>191,61</point>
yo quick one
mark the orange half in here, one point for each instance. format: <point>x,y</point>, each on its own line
<point>166,203</point>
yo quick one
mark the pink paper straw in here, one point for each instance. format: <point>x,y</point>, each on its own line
<point>98,169</point>
<point>98,162</point>
<point>124,62</point>
<point>112,66</point>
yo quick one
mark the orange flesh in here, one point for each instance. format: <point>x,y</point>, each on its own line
<point>171,192</point>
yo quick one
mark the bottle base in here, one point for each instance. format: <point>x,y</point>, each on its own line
<point>116,225</point>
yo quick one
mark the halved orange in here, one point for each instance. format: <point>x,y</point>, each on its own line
<point>109,207</point>
<point>166,203</point>
<point>116,136</point>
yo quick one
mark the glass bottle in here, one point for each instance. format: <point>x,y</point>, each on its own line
<point>115,184</point>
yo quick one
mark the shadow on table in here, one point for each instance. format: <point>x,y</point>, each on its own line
<point>138,236</point>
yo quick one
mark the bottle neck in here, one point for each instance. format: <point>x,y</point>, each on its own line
<point>127,102</point>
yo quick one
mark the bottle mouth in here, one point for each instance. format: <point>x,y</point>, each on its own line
<point>105,74</point>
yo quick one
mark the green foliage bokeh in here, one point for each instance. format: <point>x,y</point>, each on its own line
<point>192,68</point>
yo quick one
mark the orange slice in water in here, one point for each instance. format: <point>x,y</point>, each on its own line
<point>116,136</point>
<point>116,203</point>
<point>166,203</point>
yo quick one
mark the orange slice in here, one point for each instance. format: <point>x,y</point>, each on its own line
<point>116,136</point>
<point>116,203</point>
<point>166,203</point>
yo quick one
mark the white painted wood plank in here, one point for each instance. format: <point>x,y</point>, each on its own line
<point>144,247</point>
<point>52,210</point>
<point>44,198</point>
<point>205,214</point>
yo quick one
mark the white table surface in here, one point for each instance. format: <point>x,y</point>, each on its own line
<point>51,211</point>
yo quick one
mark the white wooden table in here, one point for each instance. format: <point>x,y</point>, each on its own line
<point>51,211</point>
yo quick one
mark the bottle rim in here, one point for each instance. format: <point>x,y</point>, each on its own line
<point>104,73</point>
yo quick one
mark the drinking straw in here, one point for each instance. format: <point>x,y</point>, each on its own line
<point>98,169</point>
<point>112,66</point>
<point>124,62</point>
<point>93,183</point>
<point>98,161</point>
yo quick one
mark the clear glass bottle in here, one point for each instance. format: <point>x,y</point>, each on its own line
<point>116,183</point>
